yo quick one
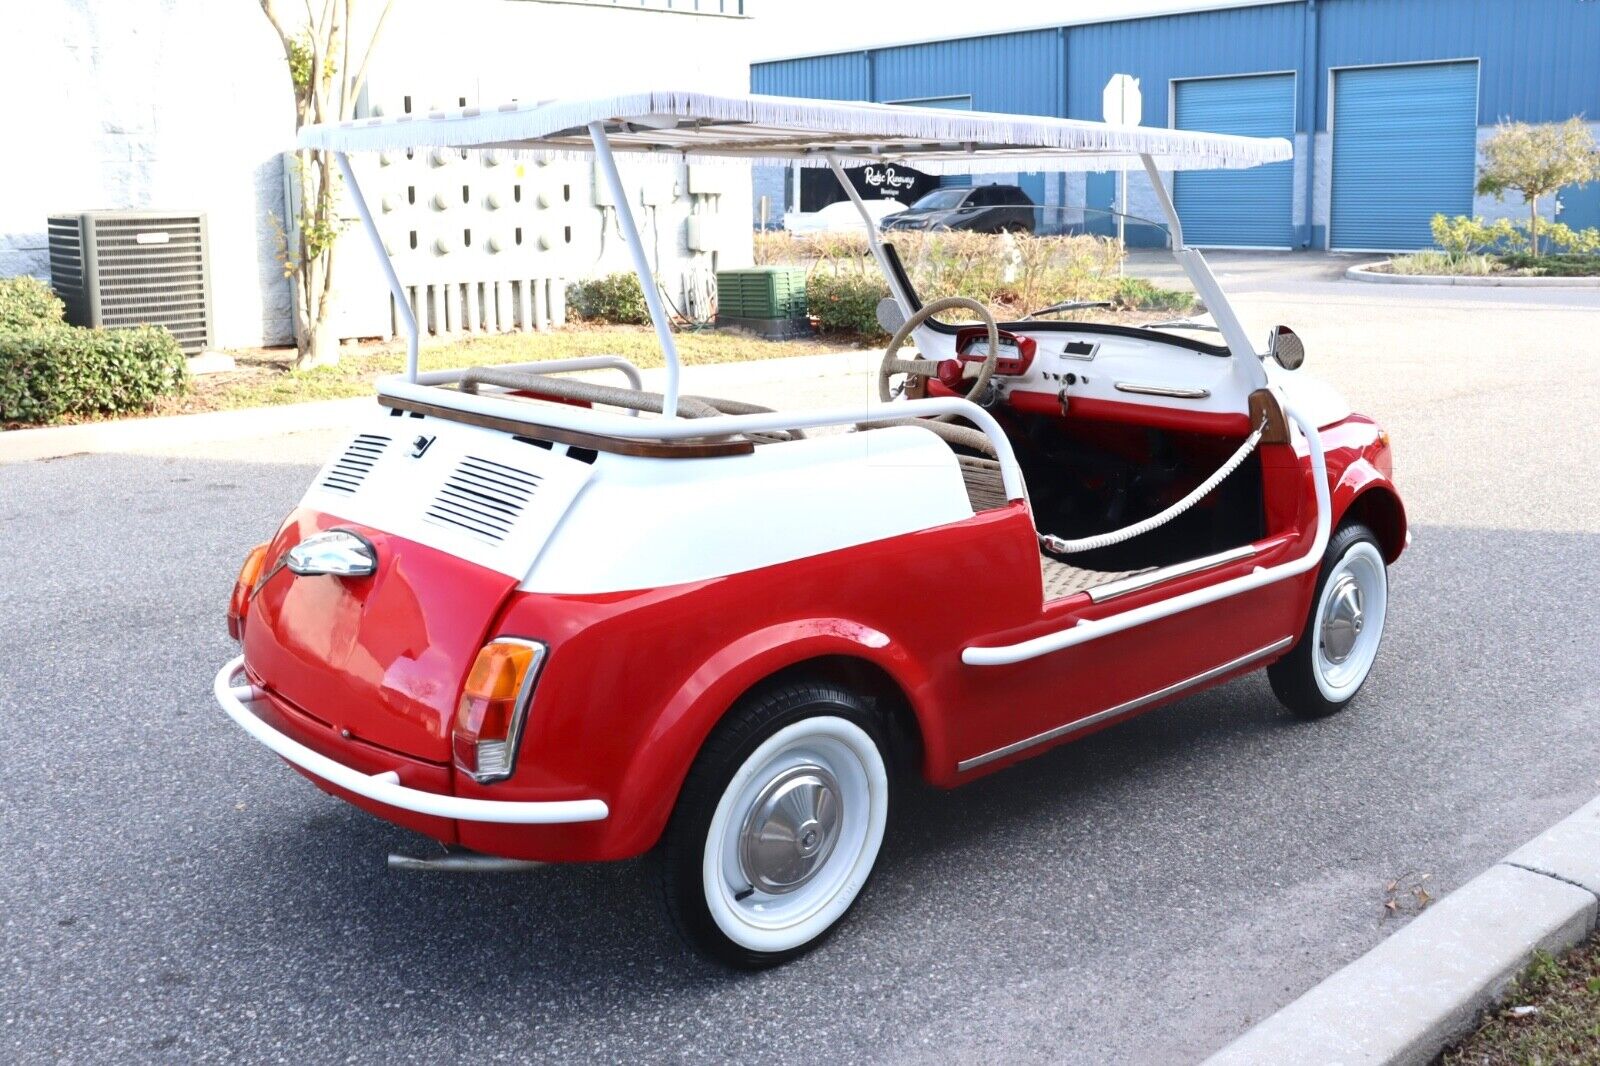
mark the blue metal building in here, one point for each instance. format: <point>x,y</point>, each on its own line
<point>1387,101</point>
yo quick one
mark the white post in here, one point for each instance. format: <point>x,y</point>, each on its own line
<point>641,265</point>
<point>402,302</point>
<point>1122,216</point>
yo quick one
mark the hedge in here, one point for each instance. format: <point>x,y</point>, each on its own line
<point>28,303</point>
<point>52,371</point>
<point>846,303</point>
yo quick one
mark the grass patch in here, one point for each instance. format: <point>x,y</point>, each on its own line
<point>1551,1016</point>
<point>1434,264</point>
<point>1444,264</point>
<point>265,377</point>
<point>1137,294</point>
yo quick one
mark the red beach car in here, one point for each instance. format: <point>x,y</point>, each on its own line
<point>538,617</point>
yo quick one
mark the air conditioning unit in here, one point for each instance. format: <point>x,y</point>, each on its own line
<point>134,268</point>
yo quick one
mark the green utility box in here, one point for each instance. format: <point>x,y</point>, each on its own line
<point>771,293</point>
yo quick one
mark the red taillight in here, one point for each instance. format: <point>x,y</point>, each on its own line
<point>249,574</point>
<point>493,704</point>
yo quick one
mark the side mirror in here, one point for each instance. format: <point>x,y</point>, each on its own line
<point>890,317</point>
<point>1286,348</point>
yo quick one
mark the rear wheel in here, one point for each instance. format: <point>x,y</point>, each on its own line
<point>778,826</point>
<point>1340,641</point>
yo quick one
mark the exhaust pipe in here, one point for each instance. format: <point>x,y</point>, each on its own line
<point>462,862</point>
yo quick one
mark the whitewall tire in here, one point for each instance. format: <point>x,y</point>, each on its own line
<point>1343,630</point>
<point>778,827</point>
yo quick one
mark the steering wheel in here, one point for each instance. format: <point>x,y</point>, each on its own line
<point>926,368</point>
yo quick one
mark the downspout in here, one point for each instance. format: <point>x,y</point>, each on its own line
<point>1310,100</point>
<point>1061,178</point>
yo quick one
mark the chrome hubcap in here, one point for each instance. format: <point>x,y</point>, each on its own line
<point>1342,619</point>
<point>791,829</point>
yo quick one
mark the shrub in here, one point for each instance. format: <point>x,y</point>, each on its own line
<point>1574,241</point>
<point>54,371</point>
<point>846,303</point>
<point>1463,236</point>
<point>614,298</point>
<point>28,303</point>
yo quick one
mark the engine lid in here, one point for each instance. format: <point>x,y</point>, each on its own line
<point>479,494</point>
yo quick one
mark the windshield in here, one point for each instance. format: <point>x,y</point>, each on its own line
<point>940,200</point>
<point>1046,264</point>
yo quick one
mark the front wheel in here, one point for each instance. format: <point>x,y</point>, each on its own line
<point>778,826</point>
<point>1342,633</point>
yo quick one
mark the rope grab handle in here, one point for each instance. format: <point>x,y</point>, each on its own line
<point>1155,521</point>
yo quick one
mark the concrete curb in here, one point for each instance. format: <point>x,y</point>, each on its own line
<point>1409,997</point>
<point>1366,273</point>
<point>138,434</point>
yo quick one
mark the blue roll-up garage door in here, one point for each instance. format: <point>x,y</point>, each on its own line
<point>1404,149</point>
<point>1237,208</point>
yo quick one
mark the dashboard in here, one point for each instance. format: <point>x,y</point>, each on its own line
<point>1113,377</point>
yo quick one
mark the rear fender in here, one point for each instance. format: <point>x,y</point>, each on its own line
<point>656,775</point>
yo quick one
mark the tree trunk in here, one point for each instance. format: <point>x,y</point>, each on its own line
<point>321,346</point>
<point>1533,225</point>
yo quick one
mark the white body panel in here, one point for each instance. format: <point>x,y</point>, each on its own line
<point>648,523</point>
<point>1322,404</point>
<point>561,525</point>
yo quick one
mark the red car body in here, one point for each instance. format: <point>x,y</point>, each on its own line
<point>370,672</point>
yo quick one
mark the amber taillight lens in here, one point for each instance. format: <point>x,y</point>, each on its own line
<point>249,574</point>
<point>494,702</point>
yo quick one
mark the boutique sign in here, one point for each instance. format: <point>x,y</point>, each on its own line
<point>875,181</point>
<point>890,181</point>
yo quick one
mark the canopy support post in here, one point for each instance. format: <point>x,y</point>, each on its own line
<point>873,241</point>
<point>641,265</point>
<point>1205,283</point>
<point>402,304</point>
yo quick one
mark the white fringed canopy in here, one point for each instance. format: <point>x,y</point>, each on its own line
<point>782,129</point>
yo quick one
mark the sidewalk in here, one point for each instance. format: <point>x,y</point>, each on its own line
<point>775,382</point>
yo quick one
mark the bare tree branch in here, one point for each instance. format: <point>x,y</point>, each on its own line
<point>360,80</point>
<point>271,11</point>
<point>344,60</point>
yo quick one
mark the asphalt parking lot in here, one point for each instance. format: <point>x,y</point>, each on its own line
<point>171,892</point>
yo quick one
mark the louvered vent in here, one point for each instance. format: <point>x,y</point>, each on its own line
<point>484,497</point>
<point>134,268</point>
<point>351,468</point>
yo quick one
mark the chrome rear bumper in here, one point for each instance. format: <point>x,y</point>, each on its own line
<point>386,788</point>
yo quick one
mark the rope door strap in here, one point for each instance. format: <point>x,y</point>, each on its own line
<point>1155,521</point>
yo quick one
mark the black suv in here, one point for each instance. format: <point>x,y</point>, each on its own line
<point>980,209</point>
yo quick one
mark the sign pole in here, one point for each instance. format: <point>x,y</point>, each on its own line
<point>1123,105</point>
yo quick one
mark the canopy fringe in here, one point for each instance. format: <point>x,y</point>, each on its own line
<point>785,130</point>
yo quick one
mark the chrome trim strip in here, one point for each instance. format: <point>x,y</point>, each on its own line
<point>1123,708</point>
<point>1162,390</point>
<point>1122,586</point>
